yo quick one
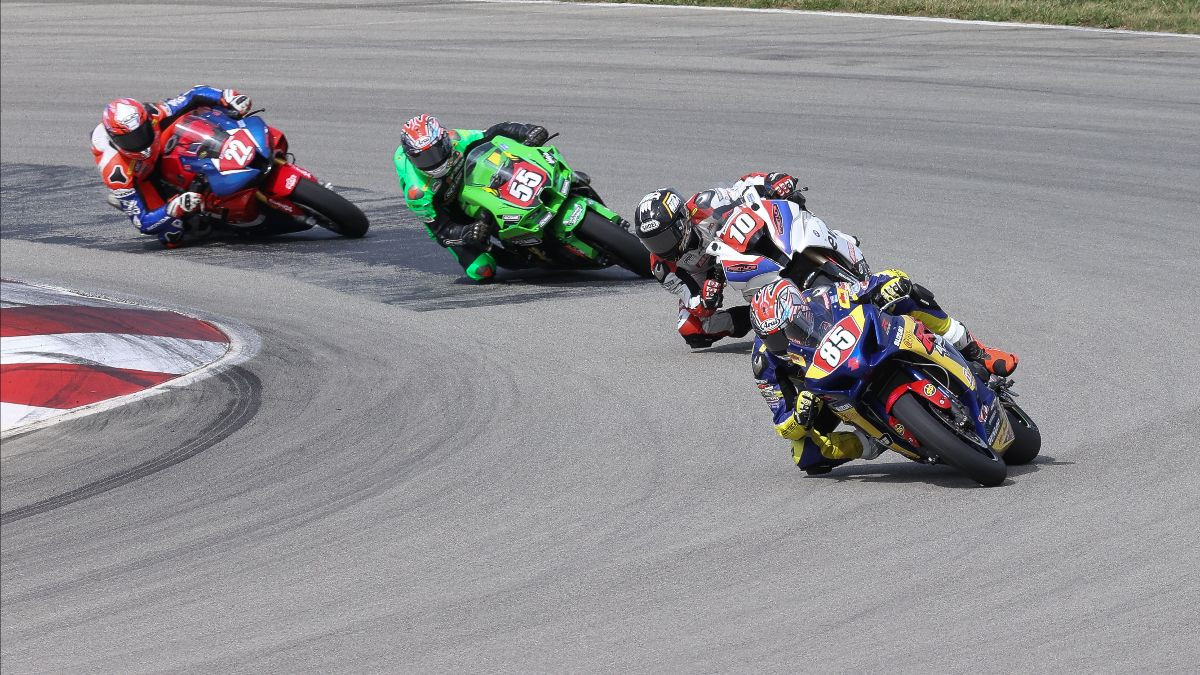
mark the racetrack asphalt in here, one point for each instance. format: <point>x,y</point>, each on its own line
<point>414,474</point>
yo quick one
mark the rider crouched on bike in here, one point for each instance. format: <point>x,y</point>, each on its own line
<point>126,147</point>
<point>801,416</point>
<point>677,234</point>
<point>427,164</point>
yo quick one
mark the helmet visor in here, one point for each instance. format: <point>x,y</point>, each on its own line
<point>135,141</point>
<point>777,342</point>
<point>435,156</point>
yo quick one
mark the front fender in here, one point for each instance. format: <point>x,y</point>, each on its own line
<point>282,181</point>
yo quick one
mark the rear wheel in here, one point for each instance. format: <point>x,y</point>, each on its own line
<point>331,210</point>
<point>613,239</point>
<point>984,467</point>
<point>1027,440</point>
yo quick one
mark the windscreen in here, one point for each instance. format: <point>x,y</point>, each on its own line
<point>198,137</point>
<point>814,316</point>
<point>488,167</point>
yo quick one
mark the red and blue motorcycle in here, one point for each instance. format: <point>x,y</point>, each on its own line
<point>247,176</point>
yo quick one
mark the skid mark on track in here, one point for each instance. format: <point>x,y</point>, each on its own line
<point>244,398</point>
<point>396,263</point>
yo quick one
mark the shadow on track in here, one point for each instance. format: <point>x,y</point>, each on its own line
<point>897,473</point>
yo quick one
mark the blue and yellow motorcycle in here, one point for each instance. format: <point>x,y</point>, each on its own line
<point>907,387</point>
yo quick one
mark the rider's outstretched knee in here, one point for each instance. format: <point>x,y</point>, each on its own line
<point>482,269</point>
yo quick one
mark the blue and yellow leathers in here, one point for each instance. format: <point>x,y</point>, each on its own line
<point>816,448</point>
<point>780,377</point>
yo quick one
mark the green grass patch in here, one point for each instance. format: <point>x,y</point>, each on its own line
<point>1171,16</point>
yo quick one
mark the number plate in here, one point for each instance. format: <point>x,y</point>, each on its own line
<point>836,347</point>
<point>526,182</point>
<point>236,152</point>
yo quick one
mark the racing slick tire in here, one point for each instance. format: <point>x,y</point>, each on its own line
<point>333,211</point>
<point>607,235</point>
<point>987,469</point>
<point>1027,440</point>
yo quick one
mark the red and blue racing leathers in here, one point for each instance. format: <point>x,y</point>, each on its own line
<point>130,179</point>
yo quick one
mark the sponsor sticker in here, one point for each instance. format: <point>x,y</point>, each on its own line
<point>291,181</point>
<point>930,390</point>
<point>576,214</point>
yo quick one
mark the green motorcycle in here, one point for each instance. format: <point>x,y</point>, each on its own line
<point>546,213</point>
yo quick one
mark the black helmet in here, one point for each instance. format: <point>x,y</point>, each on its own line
<point>662,225</point>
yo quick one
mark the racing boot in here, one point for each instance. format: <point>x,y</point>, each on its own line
<point>692,330</point>
<point>996,361</point>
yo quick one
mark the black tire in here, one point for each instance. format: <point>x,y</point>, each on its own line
<point>607,235</point>
<point>333,211</point>
<point>986,470</point>
<point>1027,440</point>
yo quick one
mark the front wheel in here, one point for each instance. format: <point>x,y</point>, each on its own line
<point>987,469</point>
<point>614,240</point>
<point>1027,440</point>
<point>331,210</point>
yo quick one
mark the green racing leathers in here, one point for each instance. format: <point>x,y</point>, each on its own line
<point>435,201</point>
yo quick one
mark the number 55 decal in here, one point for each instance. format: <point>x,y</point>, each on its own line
<point>524,185</point>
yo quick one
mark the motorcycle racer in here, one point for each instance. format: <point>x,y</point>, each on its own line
<point>677,234</point>
<point>427,165</point>
<point>799,415</point>
<point>126,147</point>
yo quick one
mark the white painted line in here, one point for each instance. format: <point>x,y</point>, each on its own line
<point>115,350</point>
<point>850,15</point>
<point>12,414</point>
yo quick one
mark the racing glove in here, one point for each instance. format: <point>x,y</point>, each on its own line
<point>808,407</point>
<point>899,286</point>
<point>537,135</point>
<point>803,417</point>
<point>183,204</point>
<point>472,234</point>
<point>237,102</point>
<point>779,185</point>
<point>710,294</point>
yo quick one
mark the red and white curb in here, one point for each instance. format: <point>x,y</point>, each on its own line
<point>63,354</point>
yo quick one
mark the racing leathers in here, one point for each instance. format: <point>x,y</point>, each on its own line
<point>816,447</point>
<point>696,278</point>
<point>130,179</point>
<point>435,201</point>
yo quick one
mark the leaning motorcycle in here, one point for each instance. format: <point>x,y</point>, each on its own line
<point>248,179</point>
<point>545,212</point>
<point>764,239</point>
<point>907,387</point>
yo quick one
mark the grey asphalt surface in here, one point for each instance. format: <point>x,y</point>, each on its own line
<point>418,475</point>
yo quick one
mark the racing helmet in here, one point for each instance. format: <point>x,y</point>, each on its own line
<point>779,316</point>
<point>662,224</point>
<point>129,128</point>
<point>428,146</point>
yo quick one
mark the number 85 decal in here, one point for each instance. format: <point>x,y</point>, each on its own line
<point>836,345</point>
<point>523,184</point>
